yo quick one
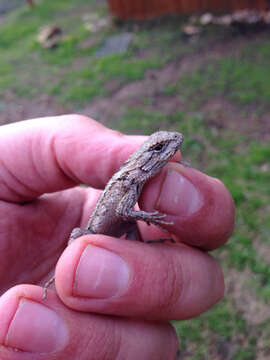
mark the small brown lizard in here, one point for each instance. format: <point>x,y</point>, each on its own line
<point>114,213</point>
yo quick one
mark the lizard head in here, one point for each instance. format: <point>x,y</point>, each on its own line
<point>156,151</point>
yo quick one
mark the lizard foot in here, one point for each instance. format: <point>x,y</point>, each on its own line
<point>162,240</point>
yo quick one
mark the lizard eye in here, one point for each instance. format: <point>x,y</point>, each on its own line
<point>158,147</point>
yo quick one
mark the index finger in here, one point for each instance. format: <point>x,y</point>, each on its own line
<point>199,207</point>
<point>51,154</point>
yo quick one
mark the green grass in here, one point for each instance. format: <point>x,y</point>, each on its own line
<point>81,85</point>
<point>225,326</point>
<point>137,118</point>
<point>74,84</point>
<point>242,79</point>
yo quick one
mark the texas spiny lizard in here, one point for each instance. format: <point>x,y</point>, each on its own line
<point>114,214</point>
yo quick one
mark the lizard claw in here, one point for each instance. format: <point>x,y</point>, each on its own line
<point>165,222</point>
<point>156,217</point>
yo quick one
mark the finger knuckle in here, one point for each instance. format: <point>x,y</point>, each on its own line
<point>169,287</point>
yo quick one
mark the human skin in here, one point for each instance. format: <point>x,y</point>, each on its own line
<point>114,298</point>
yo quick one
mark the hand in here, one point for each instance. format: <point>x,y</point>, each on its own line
<point>124,292</point>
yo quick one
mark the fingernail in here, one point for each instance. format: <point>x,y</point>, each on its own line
<point>36,328</point>
<point>178,195</point>
<point>100,274</point>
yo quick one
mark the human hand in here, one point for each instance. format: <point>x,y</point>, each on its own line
<point>140,286</point>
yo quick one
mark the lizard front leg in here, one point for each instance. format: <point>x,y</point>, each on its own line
<point>125,210</point>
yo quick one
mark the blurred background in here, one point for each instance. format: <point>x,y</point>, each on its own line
<point>203,70</point>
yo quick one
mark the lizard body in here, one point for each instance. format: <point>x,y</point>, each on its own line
<point>114,213</point>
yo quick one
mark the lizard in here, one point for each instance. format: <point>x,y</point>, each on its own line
<point>114,214</point>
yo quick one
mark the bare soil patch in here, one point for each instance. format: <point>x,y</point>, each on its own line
<point>13,109</point>
<point>219,112</point>
<point>223,114</point>
<point>251,307</point>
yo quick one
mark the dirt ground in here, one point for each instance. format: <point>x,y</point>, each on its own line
<point>219,112</point>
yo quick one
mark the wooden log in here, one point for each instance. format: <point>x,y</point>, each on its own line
<point>144,9</point>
